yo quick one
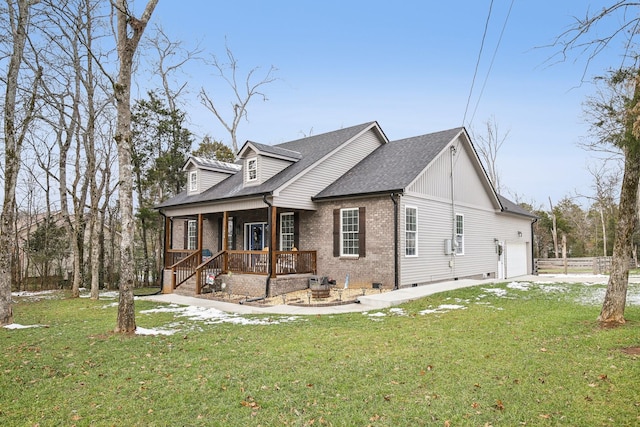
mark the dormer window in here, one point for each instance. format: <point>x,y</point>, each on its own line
<point>252,169</point>
<point>193,181</point>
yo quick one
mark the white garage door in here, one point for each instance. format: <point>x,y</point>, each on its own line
<point>516,259</point>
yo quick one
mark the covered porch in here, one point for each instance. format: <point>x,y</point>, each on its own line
<point>203,248</point>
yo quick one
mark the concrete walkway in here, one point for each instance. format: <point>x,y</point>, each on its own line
<point>369,302</point>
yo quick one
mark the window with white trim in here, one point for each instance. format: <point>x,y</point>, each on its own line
<point>349,232</point>
<point>252,169</point>
<point>459,234</point>
<point>286,231</point>
<point>192,235</point>
<point>411,231</point>
<point>193,181</point>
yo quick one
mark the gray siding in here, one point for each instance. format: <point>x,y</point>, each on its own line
<point>431,194</point>
<point>298,194</point>
<point>269,167</point>
<point>207,179</point>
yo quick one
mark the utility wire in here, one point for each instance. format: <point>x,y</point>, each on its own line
<point>475,73</point>
<point>492,60</point>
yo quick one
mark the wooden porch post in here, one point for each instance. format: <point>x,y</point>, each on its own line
<point>272,243</point>
<point>168,232</point>
<point>225,239</point>
<point>199,249</point>
<point>200,221</point>
<point>225,231</point>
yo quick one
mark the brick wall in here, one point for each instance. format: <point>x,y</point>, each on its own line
<point>316,233</point>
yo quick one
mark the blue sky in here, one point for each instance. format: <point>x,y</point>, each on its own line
<point>408,65</point>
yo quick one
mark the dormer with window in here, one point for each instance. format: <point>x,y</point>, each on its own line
<point>205,173</point>
<point>261,162</point>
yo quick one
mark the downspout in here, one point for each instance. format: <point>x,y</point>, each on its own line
<point>533,260</point>
<point>164,252</point>
<point>270,268</point>
<point>395,240</point>
<point>452,150</point>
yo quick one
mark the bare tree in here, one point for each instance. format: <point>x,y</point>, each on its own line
<point>171,58</point>
<point>16,127</point>
<point>554,229</point>
<point>129,30</point>
<point>605,183</point>
<point>581,37</point>
<point>487,145</point>
<point>228,71</point>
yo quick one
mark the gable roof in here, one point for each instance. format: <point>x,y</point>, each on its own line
<point>509,207</point>
<point>270,151</point>
<point>311,150</point>
<point>212,165</point>
<point>391,167</point>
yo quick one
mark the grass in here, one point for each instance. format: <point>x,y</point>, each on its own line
<point>530,357</point>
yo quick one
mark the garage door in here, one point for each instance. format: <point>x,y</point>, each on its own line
<point>516,259</point>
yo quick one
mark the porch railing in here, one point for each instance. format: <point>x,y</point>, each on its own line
<point>295,262</point>
<point>209,270</point>
<point>182,270</point>
<point>174,256</point>
<point>248,262</point>
<point>190,263</point>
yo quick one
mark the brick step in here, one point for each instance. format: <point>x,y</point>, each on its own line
<point>188,288</point>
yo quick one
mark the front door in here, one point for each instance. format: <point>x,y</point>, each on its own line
<point>254,236</point>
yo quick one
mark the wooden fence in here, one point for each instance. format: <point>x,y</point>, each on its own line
<point>592,265</point>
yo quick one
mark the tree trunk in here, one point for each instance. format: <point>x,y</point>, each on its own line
<point>13,138</point>
<point>604,233</point>
<point>616,295</point>
<point>554,230</point>
<point>126,46</point>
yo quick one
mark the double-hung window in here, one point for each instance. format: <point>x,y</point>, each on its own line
<point>192,235</point>
<point>349,230</point>
<point>252,169</point>
<point>411,231</point>
<point>286,231</point>
<point>459,234</point>
<point>193,181</point>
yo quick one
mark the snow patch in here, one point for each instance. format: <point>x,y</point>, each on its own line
<point>214,316</point>
<point>499,292</point>
<point>145,331</point>
<point>377,314</point>
<point>524,286</point>
<point>19,326</point>
<point>442,309</point>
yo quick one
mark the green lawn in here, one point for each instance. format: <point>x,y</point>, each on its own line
<point>530,356</point>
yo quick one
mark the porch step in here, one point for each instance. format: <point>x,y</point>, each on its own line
<point>188,288</point>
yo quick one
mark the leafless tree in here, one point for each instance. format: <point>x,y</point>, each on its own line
<point>583,37</point>
<point>243,92</point>
<point>170,58</point>
<point>129,31</point>
<point>605,185</point>
<point>488,145</point>
<point>18,113</point>
<point>554,229</point>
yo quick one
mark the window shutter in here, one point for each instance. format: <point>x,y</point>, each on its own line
<point>296,230</point>
<point>186,235</point>
<point>220,231</point>
<point>362,232</point>
<point>336,232</point>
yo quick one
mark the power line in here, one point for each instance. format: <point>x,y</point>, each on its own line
<point>475,73</point>
<point>492,60</point>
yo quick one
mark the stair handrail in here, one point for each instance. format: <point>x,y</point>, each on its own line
<point>216,262</point>
<point>184,269</point>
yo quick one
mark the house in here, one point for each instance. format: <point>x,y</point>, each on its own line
<point>347,204</point>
